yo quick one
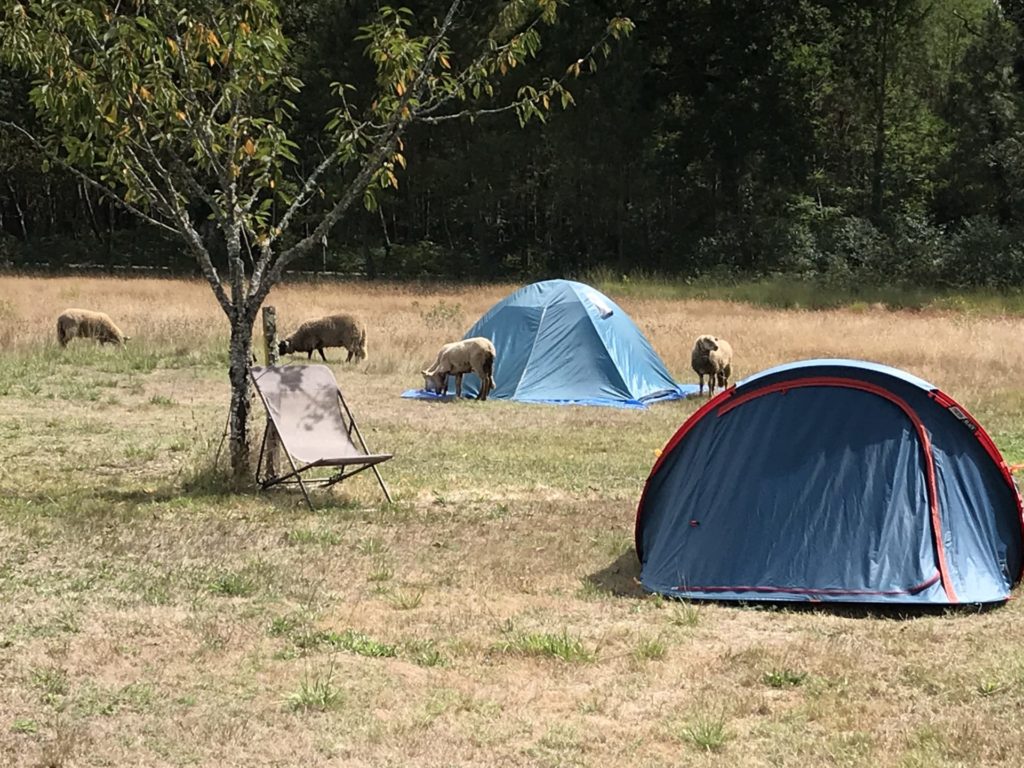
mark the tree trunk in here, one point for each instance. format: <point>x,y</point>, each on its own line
<point>19,211</point>
<point>241,399</point>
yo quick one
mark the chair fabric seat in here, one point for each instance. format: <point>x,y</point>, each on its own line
<point>308,412</point>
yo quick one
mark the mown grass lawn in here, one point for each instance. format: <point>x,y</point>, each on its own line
<point>490,616</point>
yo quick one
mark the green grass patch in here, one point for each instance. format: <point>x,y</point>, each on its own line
<point>232,584</point>
<point>371,546</point>
<point>316,693</point>
<point>95,700</point>
<point>425,653</point>
<point>24,725</point>
<point>562,646</point>
<point>349,640</point>
<point>322,537</point>
<point>404,600</point>
<point>381,572</point>
<point>283,626</point>
<point>51,682</point>
<point>783,677</point>
<point>685,614</point>
<point>706,731</point>
<point>650,649</point>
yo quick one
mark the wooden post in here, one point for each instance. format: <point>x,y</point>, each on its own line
<point>270,355</point>
<point>270,335</point>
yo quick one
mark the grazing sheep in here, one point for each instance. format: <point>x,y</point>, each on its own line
<point>331,331</point>
<point>712,357</point>
<point>459,357</point>
<point>87,324</point>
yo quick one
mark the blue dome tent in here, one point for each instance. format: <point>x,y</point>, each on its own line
<point>563,342</point>
<point>832,480</point>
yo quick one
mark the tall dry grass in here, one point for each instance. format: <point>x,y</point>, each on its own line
<point>972,357</point>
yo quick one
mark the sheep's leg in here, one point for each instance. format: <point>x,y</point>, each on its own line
<point>320,349</point>
<point>700,387</point>
<point>458,386</point>
<point>309,355</point>
<point>484,388</point>
<point>712,378</point>
<point>349,358</point>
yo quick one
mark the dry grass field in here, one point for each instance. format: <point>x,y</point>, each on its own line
<point>489,617</point>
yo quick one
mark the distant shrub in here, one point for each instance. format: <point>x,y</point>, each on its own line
<point>851,249</point>
<point>918,251</point>
<point>720,251</point>
<point>443,315</point>
<point>982,252</point>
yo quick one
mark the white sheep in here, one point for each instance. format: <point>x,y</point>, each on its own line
<point>712,357</point>
<point>87,324</point>
<point>332,331</point>
<point>459,357</point>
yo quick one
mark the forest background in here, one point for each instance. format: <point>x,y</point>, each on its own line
<point>864,142</point>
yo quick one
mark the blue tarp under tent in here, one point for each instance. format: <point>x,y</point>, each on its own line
<point>831,480</point>
<point>564,342</point>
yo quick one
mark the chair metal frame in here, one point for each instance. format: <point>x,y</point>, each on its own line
<point>294,477</point>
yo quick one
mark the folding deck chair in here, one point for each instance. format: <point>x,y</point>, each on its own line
<point>315,427</point>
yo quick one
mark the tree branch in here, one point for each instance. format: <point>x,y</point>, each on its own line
<point>179,213</point>
<point>468,71</point>
<point>400,117</point>
<point>86,178</point>
<point>967,24</point>
<point>304,196</point>
<point>426,115</point>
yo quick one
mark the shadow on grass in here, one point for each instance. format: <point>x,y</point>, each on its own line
<point>622,579</point>
<point>281,500</point>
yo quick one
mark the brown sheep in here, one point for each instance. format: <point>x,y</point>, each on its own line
<point>332,331</point>
<point>86,324</point>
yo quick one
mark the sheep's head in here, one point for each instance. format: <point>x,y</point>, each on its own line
<point>433,382</point>
<point>707,344</point>
<point>359,350</point>
<point>284,347</point>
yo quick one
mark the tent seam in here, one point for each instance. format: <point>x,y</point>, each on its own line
<point>533,347</point>
<point>600,338</point>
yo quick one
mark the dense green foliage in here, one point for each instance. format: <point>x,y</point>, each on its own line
<point>844,140</point>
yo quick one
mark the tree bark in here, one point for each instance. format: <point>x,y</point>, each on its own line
<point>18,210</point>
<point>241,397</point>
<point>270,351</point>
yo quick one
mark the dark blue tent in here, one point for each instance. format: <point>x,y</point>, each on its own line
<point>564,342</point>
<point>831,480</point>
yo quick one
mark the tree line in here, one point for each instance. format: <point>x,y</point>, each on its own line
<point>841,140</point>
